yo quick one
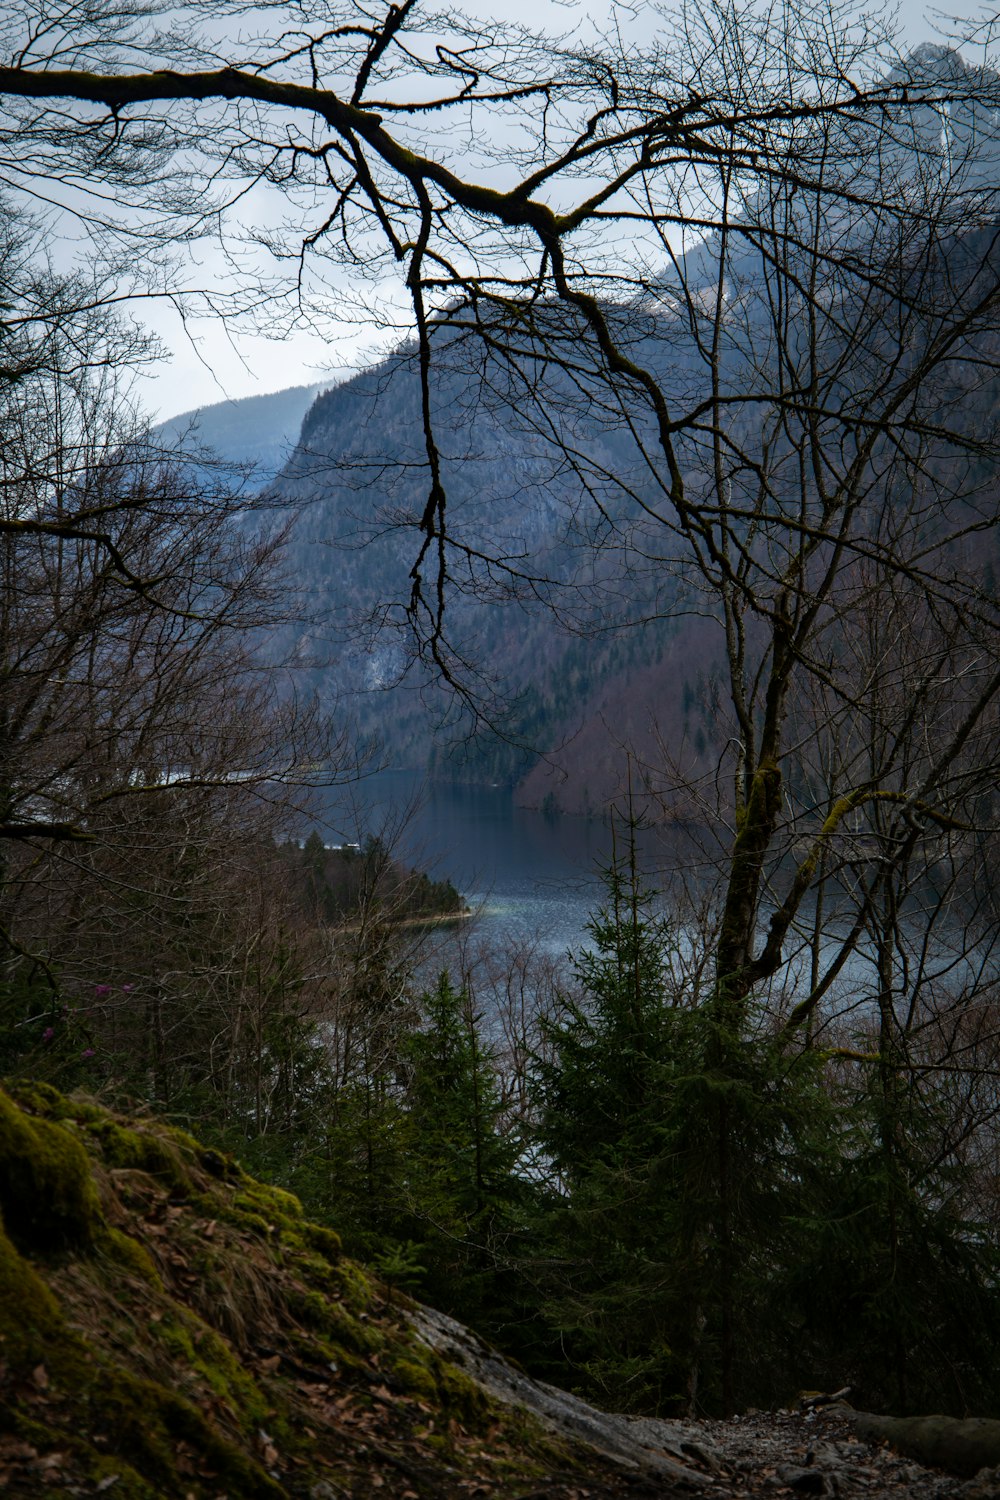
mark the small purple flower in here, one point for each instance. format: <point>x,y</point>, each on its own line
<point>127,989</point>
<point>88,1052</point>
<point>48,1033</point>
<point>101,990</point>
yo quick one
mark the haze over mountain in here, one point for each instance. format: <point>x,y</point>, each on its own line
<point>254,430</point>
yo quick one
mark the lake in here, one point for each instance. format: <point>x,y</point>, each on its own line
<point>532,876</point>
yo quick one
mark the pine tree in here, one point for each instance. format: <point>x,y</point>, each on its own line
<point>459,1193</point>
<point>608,1124</point>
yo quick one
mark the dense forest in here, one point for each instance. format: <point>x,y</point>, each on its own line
<point>720,366</point>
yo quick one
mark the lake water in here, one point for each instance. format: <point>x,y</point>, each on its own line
<point>535,879</point>
<point>531,875</point>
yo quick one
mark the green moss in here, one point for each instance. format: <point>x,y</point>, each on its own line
<point>271,1203</point>
<point>326,1316</point>
<point>317,1271</point>
<point>128,1254</point>
<point>47,1195</point>
<point>219,1165</point>
<point>212,1362</point>
<point>326,1241</point>
<point>95,1466</point>
<point>317,1350</point>
<point>143,1151</point>
<point>355,1288</point>
<point>30,1320</point>
<point>247,1221</point>
<point>184,1142</point>
<point>459,1396</point>
<point>421,1372</point>
<point>415,1379</point>
<point>121,1477</point>
<point>40,1098</point>
<point>145,1421</point>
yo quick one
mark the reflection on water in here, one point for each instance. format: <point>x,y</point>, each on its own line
<point>533,876</point>
<point>535,879</point>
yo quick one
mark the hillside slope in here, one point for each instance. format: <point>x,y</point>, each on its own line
<point>257,430</point>
<point>170,1327</point>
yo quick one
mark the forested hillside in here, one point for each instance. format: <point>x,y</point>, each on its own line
<point>583,687</point>
<point>256,433</point>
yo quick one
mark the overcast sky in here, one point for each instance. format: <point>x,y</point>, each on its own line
<point>211,361</point>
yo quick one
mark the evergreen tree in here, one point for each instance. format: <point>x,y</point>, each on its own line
<point>459,1194</point>
<point>894,1287</point>
<point>608,1125</point>
<point>415,1164</point>
<point>630,1091</point>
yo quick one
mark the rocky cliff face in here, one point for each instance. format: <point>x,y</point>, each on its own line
<point>542,643</point>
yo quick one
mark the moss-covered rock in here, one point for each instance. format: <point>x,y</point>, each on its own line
<point>47,1195</point>
<point>962,1446</point>
<point>30,1320</point>
<point>172,1327</point>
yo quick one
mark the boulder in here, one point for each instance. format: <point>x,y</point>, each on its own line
<point>962,1446</point>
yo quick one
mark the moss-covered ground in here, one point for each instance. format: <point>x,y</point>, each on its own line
<point>171,1329</point>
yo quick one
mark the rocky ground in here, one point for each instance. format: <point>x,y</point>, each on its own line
<point>787,1454</point>
<point>824,1450</point>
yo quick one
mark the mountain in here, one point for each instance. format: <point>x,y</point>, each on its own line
<point>350,458</point>
<point>534,688</point>
<point>562,534</point>
<point>257,430</point>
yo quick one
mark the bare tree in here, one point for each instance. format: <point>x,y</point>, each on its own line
<point>148,759</point>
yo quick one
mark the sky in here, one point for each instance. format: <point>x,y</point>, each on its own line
<point>211,359</point>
